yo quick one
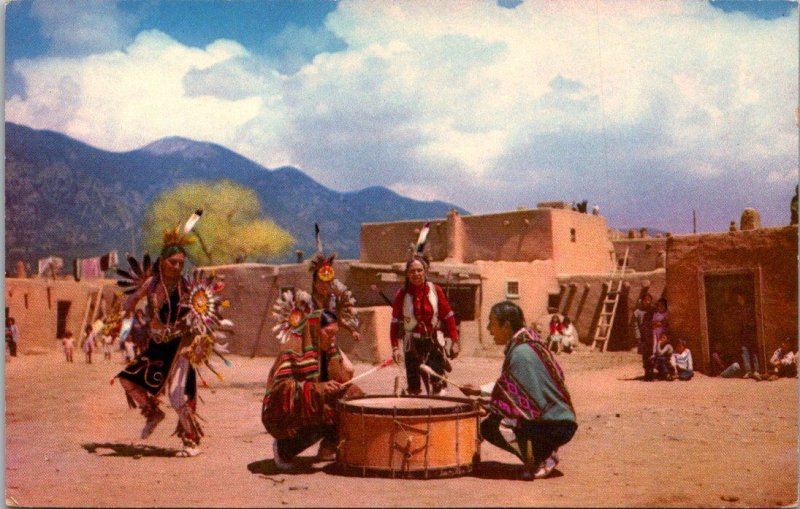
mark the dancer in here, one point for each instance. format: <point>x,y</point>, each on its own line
<point>418,309</point>
<point>183,315</point>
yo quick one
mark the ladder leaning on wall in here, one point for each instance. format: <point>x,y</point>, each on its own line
<point>610,301</point>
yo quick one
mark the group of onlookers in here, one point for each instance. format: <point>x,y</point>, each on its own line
<point>562,335</point>
<point>108,339</point>
<point>660,359</point>
<point>663,359</point>
<point>783,363</point>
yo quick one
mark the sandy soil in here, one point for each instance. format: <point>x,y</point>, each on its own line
<point>72,441</point>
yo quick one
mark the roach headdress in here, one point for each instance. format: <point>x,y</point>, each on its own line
<point>175,240</point>
<point>418,252</point>
<point>321,266</point>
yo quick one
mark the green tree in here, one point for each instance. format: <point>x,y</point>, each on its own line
<point>232,229</point>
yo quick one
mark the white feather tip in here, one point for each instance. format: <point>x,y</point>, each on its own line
<point>193,219</point>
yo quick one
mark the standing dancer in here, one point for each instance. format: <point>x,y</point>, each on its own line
<point>418,309</point>
<point>183,315</point>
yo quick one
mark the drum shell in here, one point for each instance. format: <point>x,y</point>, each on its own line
<point>408,442</point>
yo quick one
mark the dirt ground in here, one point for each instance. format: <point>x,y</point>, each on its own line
<point>72,441</point>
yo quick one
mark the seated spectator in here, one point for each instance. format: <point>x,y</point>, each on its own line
<point>663,358</point>
<point>569,339</point>
<point>682,361</point>
<point>718,363</point>
<point>556,333</point>
<point>722,365</point>
<point>783,362</point>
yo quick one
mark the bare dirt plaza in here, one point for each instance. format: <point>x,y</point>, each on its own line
<point>72,441</point>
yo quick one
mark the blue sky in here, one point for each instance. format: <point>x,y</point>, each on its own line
<point>650,109</point>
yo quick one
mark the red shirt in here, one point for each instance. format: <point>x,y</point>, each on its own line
<point>423,313</point>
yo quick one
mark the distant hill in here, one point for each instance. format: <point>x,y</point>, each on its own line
<point>69,199</point>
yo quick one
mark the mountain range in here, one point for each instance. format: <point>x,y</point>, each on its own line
<point>66,198</point>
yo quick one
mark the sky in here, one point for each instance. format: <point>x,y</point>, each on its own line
<point>649,109</point>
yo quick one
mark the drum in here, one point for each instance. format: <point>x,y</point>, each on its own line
<point>408,436</point>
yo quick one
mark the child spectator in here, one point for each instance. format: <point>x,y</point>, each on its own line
<point>660,319</point>
<point>569,339</point>
<point>69,345</point>
<point>643,328</point>
<point>89,343</point>
<point>556,333</point>
<point>130,349</point>
<point>108,346</point>
<point>12,337</point>
<point>663,358</point>
<point>783,362</point>
<point>682,361</point>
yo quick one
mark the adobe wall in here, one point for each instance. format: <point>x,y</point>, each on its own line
<point>582,298</point>
<point>643,254</point>
<point>769,253</point>
<point>374,345</point>
<point>252,289</point>
<point>536,280</point>
<point>36,315</point>
<point>591,250</point>
<point>518,236</point>
<point>390,242</point>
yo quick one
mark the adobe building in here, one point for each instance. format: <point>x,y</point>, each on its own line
<point>478,260</point>
<point>705,273</point>
<point>483,259</point>
<point>45,308</point>
<point>252,289</point>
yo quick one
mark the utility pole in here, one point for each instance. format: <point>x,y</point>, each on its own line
<point>694,221</point>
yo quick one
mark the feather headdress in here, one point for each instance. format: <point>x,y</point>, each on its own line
<point>176,239</point>
<point>291,311</point>
<point>418,251</point>
<point>131,280</point>
<point>345,305</point>
<point>321,266</point>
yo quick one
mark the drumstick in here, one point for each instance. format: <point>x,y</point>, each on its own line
<point>427,369</point>
<point>376,368</point>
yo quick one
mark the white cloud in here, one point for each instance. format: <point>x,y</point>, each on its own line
<point>123,100</point>
<point>83,27</point>
<point>442,99</point>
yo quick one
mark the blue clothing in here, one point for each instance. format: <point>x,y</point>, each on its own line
<point>531,385</point>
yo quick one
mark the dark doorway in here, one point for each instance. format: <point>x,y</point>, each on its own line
<point>462,301</point>
<point>725,315</point>
<point>62,308</point>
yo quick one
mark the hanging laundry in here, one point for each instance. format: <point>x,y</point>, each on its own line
<point>50,266</point>
<point>90,267</point>
<point>109,260</point>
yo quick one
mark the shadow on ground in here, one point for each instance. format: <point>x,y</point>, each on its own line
<point>490,470</point>
<point>302,465</point>
<point>131,450</point>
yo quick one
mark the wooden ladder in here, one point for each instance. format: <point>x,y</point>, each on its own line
<point>610,301</point>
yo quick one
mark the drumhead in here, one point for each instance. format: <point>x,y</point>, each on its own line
<point>407,405</point>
